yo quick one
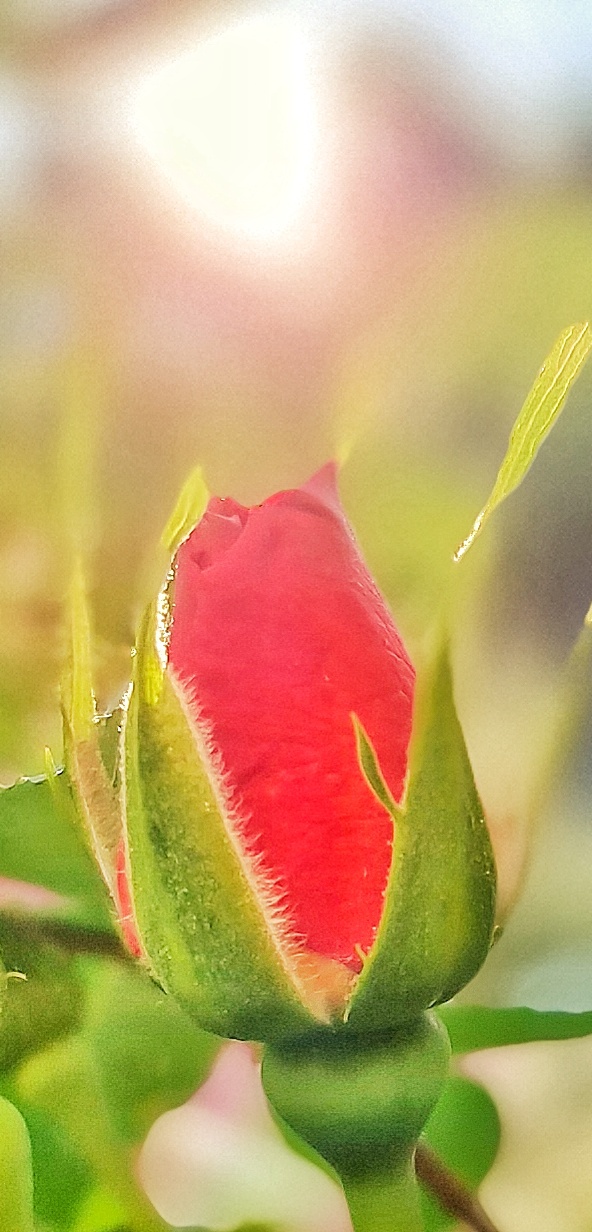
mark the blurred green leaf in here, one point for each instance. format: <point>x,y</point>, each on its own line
<point>539,413</point>
<point>101,1213</point>
<point>64,1084</point>
<point>474,1027</point>
<point>136,1056</point>
<point>44,1006</point>
<point>40,842</point>
<point>77,685</point>
<point>438,920</point>
<point>464,1131</point>
<point>60,1175</point>
<point>563,730</point>
<point>148,1053</point>
<point>81,383</point>
<point>252,1227</point>
<point>16,1173</point>
<point>408,514</point>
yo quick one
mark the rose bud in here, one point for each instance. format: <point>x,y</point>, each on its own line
<point>283,871</point>
<point>272,858</point>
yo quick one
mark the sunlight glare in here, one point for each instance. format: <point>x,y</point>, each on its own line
<point>232,125</point>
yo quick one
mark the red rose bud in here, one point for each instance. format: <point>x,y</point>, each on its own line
<point>266,753</point>
<point>278,634</point>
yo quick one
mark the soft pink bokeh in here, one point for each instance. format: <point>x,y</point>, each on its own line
<point>220,1161</point>
<point>23,895</point>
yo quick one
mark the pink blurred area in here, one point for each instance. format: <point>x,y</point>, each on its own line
<point>24,896</point>
<point>209,340</point>
<point>219,1161</point>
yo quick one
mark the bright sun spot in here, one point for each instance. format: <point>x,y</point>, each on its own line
<point>232,125</point>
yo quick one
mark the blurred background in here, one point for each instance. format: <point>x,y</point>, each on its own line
<point>253,237</point>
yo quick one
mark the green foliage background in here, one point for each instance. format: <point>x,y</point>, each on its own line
<point>418,367</point>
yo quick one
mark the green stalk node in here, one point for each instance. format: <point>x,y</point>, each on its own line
<point>362,1102</point>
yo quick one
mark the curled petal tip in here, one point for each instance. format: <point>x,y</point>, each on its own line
<point>323,484</point>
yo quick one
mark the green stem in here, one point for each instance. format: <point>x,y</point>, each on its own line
<point>384,1201</point>
<point>362,1102</point>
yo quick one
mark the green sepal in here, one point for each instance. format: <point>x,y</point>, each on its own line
<point>97,802</point>
<point>208,936</point>
<point>190,506</point>
<point>438,917</point>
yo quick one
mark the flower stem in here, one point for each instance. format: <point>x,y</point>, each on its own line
<point>362,1102</point>
<point>385,1201</point>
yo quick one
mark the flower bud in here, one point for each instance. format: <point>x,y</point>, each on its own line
<point>285,869</point>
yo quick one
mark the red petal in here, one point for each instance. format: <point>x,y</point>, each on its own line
<point>278,635</point>
<point>125,907</point>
